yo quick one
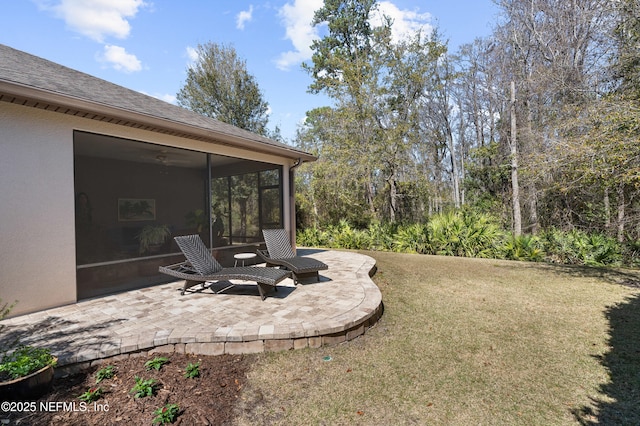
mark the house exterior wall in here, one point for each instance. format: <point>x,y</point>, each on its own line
<point>37,240</point>
<point>37,211</point>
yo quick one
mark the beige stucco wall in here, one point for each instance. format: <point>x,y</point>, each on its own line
<point>37,234</point>
<point>37,247</point>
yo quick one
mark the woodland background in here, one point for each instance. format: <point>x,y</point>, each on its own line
<point>526,140</point>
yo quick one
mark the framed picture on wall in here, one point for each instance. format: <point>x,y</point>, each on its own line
<point>135,209</point>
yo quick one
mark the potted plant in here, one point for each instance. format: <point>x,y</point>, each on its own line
<point>152,237</point>
<point>27,371</point>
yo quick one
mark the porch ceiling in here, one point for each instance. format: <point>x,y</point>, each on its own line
<point>142,122</point>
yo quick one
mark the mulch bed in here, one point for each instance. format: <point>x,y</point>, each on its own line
<point>210,399</point>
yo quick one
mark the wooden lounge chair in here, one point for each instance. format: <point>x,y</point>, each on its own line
<point>201,267</point>
<point>280,253</point>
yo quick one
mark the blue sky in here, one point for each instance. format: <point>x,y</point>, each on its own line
<point>147,45</point>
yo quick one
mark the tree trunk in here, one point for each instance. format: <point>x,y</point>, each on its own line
<point>393,197</point>
<point>369,194</point>
<point>621,212</point>
<point>607,210</point>
<point>463,151</point>
<point>533,208</point>
<point>517,216</point>
<point>454,169</point>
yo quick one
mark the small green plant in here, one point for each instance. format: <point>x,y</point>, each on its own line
<point>156,363</point>
<point>93,394</point>
<point>192,370</point>
<point>143,388</point>
<point>166,414</point>
<point>105,373</point>
<point>5,310</point>
<point>24,361</point>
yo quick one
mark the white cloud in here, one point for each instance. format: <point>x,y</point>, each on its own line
<point>95,19</point>
<point>163,97</point>
<point>119,59</point>
<point>244,16</point>
<point>192,54</point>
<point>297,18</point>
<point>167,98</point>
<point>405,23</point>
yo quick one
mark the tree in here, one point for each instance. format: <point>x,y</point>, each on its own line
<point>626,59</point>
<point>437,104</point>
<point>554,51</point>
<point>341,67</point>
<point>481,107</point>
<point>379,86</point>
<point>515,187</point>
<point>219,86</point>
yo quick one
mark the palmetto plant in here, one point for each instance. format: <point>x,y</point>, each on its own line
<point>312,237</point>
<point>579,248</point>
<point>381,236</point>
<point>466,234</point>
<point>471,233</point>
<point>523,247</point>
<point>412,238</point>
<point>631,251</point>
<point>345,236</point>
<point>445,231</point>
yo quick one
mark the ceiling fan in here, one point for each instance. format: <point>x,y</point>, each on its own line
<point>165,157</point>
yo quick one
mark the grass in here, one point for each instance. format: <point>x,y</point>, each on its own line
<point>469,341</point>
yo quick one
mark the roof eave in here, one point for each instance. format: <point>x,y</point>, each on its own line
<point>137,119</point>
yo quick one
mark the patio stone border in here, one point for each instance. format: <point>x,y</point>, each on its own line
<point>230,347</point>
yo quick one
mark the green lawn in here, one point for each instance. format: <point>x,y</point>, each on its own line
<point>469,342</point>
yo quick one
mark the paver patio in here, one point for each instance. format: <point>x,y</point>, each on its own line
<point>338,308</point>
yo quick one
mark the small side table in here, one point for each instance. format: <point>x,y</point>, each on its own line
<point>243,257</point>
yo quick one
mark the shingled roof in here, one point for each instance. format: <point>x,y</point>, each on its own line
<point>33,81</point>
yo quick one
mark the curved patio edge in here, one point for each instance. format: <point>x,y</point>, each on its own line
<point>363,309</point>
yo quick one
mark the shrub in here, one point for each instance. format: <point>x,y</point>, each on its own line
<point>482,234</point>
<point>601,251</point>
<point>579,248</point>
<point>471,233</point>
<point>412,239</point>
<point>381,236</point>
<point>523,247</point>
<point>347,237</point>
<point>444,232</point>
<point>465,233</point>
<point>631,251</point>
<point>558,247</point>
<point>312,237</point>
